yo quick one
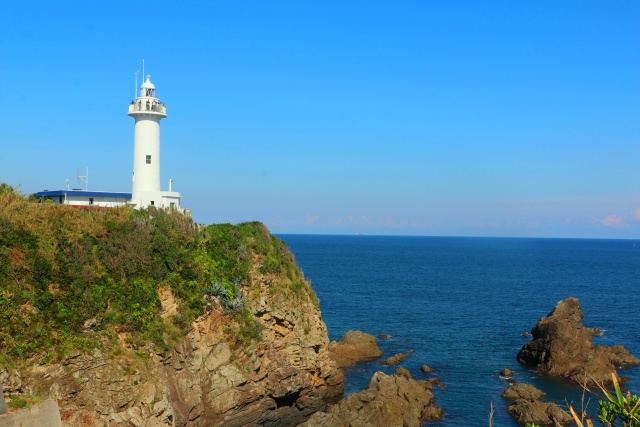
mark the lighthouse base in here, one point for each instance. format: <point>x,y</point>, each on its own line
<point>161,199</point>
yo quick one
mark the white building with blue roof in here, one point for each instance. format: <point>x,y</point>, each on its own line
<point>80,198</point>
<point>147,110</point>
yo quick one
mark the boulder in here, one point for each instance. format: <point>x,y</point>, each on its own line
<point>354,347</point>
<point>563,347</point>
<point>597,332</point>
<point>541,413</point>
<point>426,368</point>
<point>518,391</point>
<point>389,401</point>
<point>525,407</point>
<point>11,380</point>
<point>435,382</point>
<point>506,372</point>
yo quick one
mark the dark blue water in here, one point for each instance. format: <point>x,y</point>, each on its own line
<point>463,303</point>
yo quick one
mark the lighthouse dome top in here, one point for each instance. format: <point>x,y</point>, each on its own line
<point>147,89</point>
<point>147,84</point>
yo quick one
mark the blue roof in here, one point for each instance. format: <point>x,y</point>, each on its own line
<point>80,193</point>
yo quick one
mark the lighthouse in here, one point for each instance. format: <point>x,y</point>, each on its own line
<point>147,110</point>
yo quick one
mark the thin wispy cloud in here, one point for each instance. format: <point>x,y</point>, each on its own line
<point>611,221</point>
<point>312,219</point>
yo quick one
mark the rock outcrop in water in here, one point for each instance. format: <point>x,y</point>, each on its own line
<point>354,347</point>
<point>525,406</point>
<point>389,401</point>
<point>563,347</point>
<point>395,359</point>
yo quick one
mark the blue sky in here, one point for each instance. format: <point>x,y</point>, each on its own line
<point>464,118</point>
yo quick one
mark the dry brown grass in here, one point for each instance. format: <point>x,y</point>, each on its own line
<point>51,221</point>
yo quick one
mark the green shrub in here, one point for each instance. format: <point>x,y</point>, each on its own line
<point>245,330</point>
<point>618,409</point>
<point>614,409</point>
<point>17,402</point>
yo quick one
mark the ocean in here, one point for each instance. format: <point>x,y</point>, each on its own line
<point>462,305</point>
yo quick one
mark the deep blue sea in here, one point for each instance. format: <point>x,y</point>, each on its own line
<point>462,305</point>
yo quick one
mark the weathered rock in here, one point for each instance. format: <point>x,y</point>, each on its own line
<point>526,408</point>
<point>526,334</point>
<point>426,368</point>
<point>541,413</point>
<point>403,372</point>
<point>389,401</point>
<point>11,380</point>
<point>205,379</point>
<point>506,372</point>
<point>90,324</point>
<point>518,391</point>
<point>435,382</point>
<point>562,346</point>
<point>354,347</point>
<point>596,332</point>
<point>395,359</point>
<point>383,336</point>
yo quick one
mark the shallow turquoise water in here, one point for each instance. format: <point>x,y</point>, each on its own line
<point>462,304</point>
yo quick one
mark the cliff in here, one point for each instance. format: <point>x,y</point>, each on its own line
<point>146,319</point>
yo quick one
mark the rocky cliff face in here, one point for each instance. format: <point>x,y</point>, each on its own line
<point>209,377</point>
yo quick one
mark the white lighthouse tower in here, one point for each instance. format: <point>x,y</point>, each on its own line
<point>147,110</point>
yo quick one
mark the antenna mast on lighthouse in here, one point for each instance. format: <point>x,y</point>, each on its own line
<point>84,179</point>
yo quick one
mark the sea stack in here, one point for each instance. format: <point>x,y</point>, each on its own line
<point>562,346</point>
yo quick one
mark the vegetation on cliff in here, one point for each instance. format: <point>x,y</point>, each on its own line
<point>73,279</point>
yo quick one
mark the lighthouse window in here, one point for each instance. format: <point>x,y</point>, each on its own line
<point>148,159</point>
